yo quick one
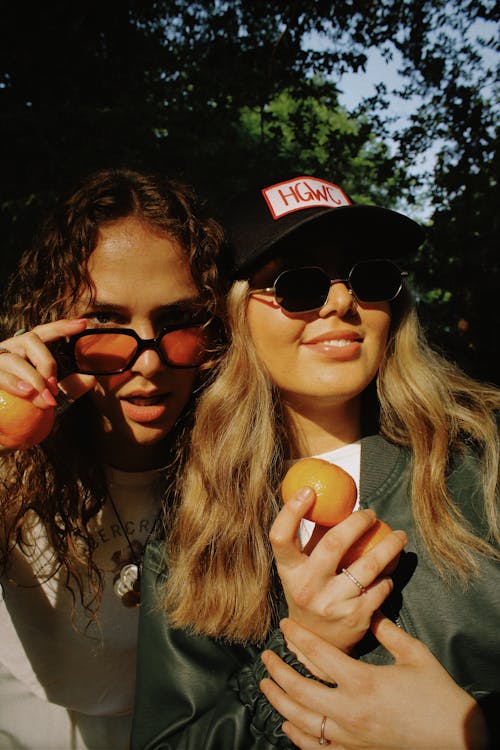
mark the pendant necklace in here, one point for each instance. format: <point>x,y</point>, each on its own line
<point>127,585</point>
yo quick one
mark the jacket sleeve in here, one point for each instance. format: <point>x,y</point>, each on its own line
<point>195,692</point>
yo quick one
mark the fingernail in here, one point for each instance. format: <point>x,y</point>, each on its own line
<point>402,534</point>
<point>305,493</point>
<point>24,387</point>
<point>48,397</point>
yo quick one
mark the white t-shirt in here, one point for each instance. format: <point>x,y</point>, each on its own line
<point>62,688</point>
<point>348,458</point>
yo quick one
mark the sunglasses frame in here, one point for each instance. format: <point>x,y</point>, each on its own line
<point>346,281</point>
<point>69,346</point>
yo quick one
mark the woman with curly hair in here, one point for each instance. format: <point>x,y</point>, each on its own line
<point>116,303</point>
<point>326,359</point>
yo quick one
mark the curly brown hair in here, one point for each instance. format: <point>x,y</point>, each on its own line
<point>61,481</point>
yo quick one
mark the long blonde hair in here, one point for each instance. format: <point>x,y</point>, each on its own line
<point>221,577</point>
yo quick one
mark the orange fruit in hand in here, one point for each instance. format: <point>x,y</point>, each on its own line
<point>335,489</point>
<point>370,538</point>
<point>22,424</point>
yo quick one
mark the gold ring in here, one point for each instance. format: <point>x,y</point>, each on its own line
<point>354,580</point>
<point>322,739</point>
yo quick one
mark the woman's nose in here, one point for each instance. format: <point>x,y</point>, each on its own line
<point>340,301</point>
<point>148,363</point>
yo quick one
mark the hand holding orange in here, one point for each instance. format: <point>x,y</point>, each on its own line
<point>335,489</point>
<point>22,424</point>
<point>335,499</point>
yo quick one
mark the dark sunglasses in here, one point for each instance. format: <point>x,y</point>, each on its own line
<point>301,290</point>
<point>111,351</point>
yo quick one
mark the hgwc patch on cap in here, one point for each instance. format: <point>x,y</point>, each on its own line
<point>303,192</point>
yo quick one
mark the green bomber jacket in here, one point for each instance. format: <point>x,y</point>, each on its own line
<point>199,693</point>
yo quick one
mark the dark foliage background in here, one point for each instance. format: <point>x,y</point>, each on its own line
<point>222,93</point>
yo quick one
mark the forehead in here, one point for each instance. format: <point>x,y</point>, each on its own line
<point>134,262</point>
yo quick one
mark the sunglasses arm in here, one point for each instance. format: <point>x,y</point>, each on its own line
<point>265,290</point>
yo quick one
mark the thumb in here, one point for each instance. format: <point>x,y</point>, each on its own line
<point>74,387</point>
<point>397,641</point>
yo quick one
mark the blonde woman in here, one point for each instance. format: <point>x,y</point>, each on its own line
<point>327,359</point>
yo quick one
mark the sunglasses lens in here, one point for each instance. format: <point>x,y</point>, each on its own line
<point>375,280</point>
<point>185,347</point>
<point>302,289</point>
<point>101,353</point>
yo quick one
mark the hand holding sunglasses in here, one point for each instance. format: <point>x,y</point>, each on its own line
<point>306,289</point>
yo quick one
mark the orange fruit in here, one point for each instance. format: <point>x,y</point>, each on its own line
<point>370,538</point>
<point>335,489</point>
<point>22,424</point>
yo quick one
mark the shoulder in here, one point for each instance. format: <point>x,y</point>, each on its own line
<point>381,462</point>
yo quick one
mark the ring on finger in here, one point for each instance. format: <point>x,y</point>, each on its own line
<point>354,580</point>
<point>322,739</point>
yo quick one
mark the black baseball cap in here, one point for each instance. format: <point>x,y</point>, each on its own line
<point>260,218</point>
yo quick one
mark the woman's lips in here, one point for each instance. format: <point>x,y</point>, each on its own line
<point>144,409</point>
<point>340,347</point>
